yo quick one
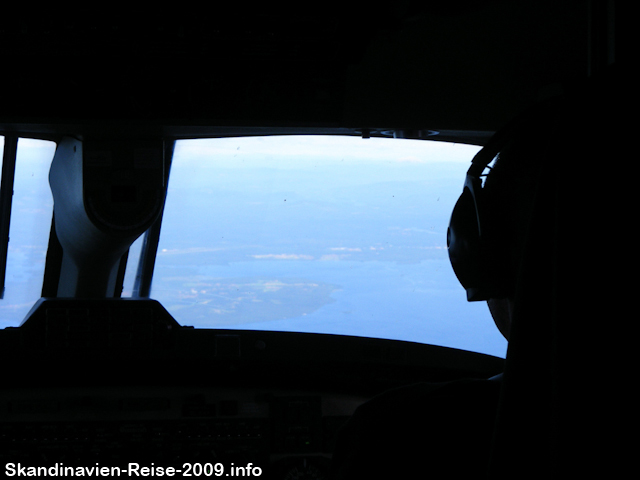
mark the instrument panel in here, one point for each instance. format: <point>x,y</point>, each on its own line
<point>118,383</point>
<point>276,431</point>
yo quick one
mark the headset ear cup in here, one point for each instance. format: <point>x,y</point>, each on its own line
<point>464,241</point>
<point>472,244</point>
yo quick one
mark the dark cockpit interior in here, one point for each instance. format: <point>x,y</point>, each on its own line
<point>94,378</point>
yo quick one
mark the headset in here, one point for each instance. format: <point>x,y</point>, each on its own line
<point>476,251</point>
<point>470,239</point>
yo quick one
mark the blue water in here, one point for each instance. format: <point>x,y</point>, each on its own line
<point>420,302</point>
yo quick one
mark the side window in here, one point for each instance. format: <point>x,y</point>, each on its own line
<point>31,213</point>
<point>132,267</point>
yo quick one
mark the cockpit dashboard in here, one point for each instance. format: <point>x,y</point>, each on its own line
<point>118,381</point>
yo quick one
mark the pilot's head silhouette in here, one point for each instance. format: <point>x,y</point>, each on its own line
<point>490,223</point>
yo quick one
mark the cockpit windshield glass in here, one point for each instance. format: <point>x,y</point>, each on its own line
<point>318,234</point>
<point>30,224</point>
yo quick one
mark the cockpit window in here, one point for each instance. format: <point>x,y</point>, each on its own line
<point>319,234</point>
<point>31,213</point>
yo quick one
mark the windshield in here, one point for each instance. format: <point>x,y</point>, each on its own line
<point>318,234</point>
<point>31,213</point>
